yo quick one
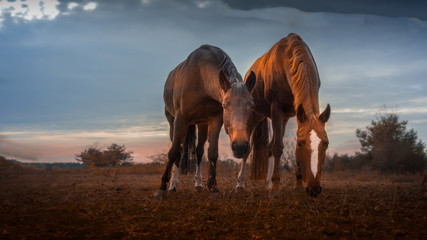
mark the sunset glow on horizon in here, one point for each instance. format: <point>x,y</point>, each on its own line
<point>79,73</point>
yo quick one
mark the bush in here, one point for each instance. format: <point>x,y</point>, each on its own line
<point>114,155</point>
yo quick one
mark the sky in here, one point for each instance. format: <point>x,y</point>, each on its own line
<point>79,73</point>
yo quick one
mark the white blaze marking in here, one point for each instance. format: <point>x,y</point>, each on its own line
<point>174,178</point>
<point>270,171</point>
<point>315,140</point>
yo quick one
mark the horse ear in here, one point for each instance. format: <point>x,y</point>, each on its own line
<point>301,114</point>
<point>325,114</point>
<point>223,80</point>
<point>250,81</point>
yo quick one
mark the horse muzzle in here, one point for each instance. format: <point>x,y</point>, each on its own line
<point>240,150</point>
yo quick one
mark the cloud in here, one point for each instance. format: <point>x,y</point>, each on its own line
<point>72,5</point>
<point>12,149</point>
<point>203,3</point>
<point>390,8</point>
<point>90,6</point>
<point>29,10</point>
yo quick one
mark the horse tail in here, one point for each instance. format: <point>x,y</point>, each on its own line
<point>188,160</point>
<point>259,145</point>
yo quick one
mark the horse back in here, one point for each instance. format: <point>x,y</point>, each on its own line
<point>193,86</point>
<point>277,72</point>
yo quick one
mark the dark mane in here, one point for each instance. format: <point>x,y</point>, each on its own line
<point>225,64</point>
<point>299,60</point>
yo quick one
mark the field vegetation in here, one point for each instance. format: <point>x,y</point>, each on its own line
<point>118,203</point>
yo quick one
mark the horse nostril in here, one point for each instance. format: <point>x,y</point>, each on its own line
<point>245,146</point>
<point>234,146</point>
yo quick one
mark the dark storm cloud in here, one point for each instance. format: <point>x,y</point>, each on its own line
<point>387,8</point>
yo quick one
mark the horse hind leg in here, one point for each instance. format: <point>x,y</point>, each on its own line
<point>270,171</point>
<point>198,176</point>
<point>174,154</point>
<point>170,119</point>
<point>174,178</point>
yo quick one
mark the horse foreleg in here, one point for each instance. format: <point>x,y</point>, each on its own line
<point>242,176</point>
<point>215,125</point>
<point>278,123</point>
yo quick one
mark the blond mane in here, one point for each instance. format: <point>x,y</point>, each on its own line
<point>300,61</point>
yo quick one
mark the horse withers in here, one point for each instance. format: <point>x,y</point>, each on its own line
<point>287,85</point>
<point>206,91</point>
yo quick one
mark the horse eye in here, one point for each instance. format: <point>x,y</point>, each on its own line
<point>326,144</point>
<point>299,143</point>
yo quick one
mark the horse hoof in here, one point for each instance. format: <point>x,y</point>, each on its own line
<point>273,193</point>
<point>239,189</point>
<point>172,189</point>
<point>213,190</point>
<point>198,188</point>
<point>215,194</point>
<point>160,194</point>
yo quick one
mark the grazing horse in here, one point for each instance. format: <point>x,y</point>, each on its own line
<point>206,90</point>
<point>288,85</point>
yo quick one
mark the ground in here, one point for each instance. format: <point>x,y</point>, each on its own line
<point>119,204</point>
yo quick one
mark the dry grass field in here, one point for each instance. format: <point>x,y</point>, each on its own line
<point>119,204</point>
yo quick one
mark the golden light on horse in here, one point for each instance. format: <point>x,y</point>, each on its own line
<point>287,85</point>
<point>312,142</point>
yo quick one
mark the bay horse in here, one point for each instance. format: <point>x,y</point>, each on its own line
<point>205,90</point>
<point>287,85</point>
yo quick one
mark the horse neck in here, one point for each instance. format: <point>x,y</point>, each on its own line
<point>310,104</point>
<point>305,88</point>
<point>213,90</point>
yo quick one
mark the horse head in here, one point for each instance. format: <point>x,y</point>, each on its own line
<point>238,106</point>
<point>312,142</point>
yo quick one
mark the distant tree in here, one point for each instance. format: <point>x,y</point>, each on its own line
<point>345,162</point>
<point>390,147</point>
<point>91,156</point>
<point>288,159</point>
<point>114,155</point>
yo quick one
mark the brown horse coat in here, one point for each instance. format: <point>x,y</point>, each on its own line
<point>195,93</point>
<point>287,85</point>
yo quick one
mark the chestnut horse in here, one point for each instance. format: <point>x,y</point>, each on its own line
<point>206,90</point>
<point>288,85</point>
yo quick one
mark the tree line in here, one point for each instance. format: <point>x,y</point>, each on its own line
<point>387,145</point>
